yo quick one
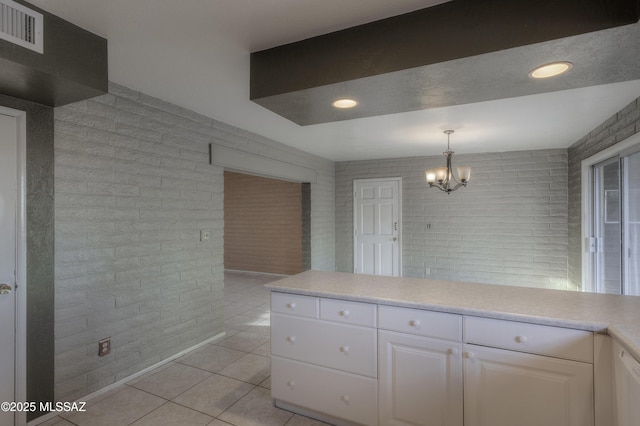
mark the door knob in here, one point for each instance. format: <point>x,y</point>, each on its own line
<point>5,289</point>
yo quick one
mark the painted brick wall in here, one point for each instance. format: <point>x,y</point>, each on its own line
<point>509,226</point>
<point>323,230</point>
<point>263,224</point>
<point>617,128</point>
<point>133,190</point>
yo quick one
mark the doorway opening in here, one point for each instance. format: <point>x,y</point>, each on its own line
<point>267,226</point>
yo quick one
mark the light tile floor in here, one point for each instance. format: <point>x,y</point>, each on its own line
<point>220,384</point>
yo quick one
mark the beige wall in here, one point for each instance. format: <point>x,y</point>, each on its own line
<point>263,224</point>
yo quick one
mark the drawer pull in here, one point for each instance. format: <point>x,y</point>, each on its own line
<point>454,351</point>
<point>291,306</point>
<point>291,339</point>
<point>522,339</point>
<point>291,384</point>
<point>345,399</point>
<point>344,313</point>
<point>471,355</point>
<point>344,350</point>
<point>414,323</point>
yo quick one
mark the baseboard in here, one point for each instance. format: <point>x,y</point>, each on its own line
<point>256,273</point>
<point>120,382</point>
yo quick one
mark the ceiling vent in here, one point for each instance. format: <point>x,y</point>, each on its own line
<point>21,26</point>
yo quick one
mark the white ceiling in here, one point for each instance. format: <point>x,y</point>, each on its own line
<point>195,53</point>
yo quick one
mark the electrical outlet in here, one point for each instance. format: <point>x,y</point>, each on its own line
<point>205,235</point>
<point>427,271</point>
<point>104,347</point>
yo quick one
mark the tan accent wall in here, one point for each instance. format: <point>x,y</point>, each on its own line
<point>262,224</point>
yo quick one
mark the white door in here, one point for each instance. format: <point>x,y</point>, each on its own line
<point>506,388</point>
<point>631,224</point>
<point>420,381</point>
<point>8,205</point>
<point>616,224</point>
<point>377,228</point>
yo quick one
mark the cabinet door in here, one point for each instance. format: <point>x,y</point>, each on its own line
<point>343,347</point>
<point>420,381</point>
<point>505,388</point>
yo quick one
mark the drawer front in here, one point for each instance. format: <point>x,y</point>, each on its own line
<point>422,323</point>
<point>343,395</point>
<point>295,304</point>
<point>558,342</point>
<point>344,347</point>
<point>355,313</point>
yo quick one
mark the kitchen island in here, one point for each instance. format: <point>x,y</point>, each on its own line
<point>466,345</point>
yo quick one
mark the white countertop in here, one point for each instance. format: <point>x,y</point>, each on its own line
<point>618,316</point>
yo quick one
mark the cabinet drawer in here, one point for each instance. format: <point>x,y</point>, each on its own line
<point>344,347</point>
<point>423,323</point>
<point>338,394</point>
<point>558,342</point>
<point>355,313</point>
<point>295,304</point>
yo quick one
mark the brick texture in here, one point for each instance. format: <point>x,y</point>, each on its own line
<point>509,226</point>
<point>617,128</point>
<point>134,187</point>
<point>263,224</point>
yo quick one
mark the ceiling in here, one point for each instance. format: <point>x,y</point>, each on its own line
<point>195,53</point>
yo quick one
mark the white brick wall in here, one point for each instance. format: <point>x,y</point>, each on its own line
<point>509,226</point>
<point>133,188</point>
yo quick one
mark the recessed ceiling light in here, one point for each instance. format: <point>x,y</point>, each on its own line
<point>344,103</point>
<point>550,70</point>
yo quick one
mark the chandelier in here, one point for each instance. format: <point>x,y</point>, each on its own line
<point>442,177</point>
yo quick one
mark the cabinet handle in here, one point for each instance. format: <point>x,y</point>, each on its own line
<point>291,306</point>
<point>344,350</point>
<point>344,313</point>
<point>454,351</point>
<point>414,323</point>
<point>471,355</point>
<point>291,384</point>
<point>522,339</point>
<point>345,399</point>
<point>291,339</point>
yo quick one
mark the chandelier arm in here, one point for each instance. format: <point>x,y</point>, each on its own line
<point>458,186</point>
<point>439,187</point>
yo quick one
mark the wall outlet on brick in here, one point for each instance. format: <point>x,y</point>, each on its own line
<point>427,271</point>
<point>104,347</point>
<point>205,235</point>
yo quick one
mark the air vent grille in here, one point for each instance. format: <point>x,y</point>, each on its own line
<point>21,26</point>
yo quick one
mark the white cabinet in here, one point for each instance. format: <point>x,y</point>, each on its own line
<point>342,347</point>
<point>420,367</point>
<point>506,388</point>
<point>325,391</point>
<point>324,357</point>
<point>420,380</point>
<point>627,387</point>
<point>512,387</point>
<point>369,364</point>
